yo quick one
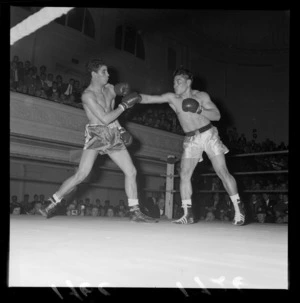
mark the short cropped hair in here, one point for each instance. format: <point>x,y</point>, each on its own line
<point>183,72</point>
<point>93,65</point>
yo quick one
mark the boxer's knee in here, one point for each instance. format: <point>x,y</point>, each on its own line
<point>80,175</point>
<point>131,172</point>
<point>223,173</point>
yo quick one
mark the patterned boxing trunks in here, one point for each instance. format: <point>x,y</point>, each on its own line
<point>208,141</point>
<point>104,139</point>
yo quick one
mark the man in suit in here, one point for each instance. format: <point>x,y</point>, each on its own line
<point>268,206</point>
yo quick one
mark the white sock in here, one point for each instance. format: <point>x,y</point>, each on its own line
<point>185,205</point>
<point>133,202</point>
<point>235,200</point>
<point>56,198</point>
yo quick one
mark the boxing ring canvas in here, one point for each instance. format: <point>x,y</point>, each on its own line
<point>93,251</point>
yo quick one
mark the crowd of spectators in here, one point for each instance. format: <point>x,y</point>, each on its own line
<point>39,82</point>
<point>79,207</point>
<point>29,79</point>
<point>85,207</point>
<point>261,208</point>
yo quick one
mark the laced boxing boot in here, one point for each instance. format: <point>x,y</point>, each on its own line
<point>49,208</point>
<point>187,217</point>
<point>137,216</point>
<point>239,217</point>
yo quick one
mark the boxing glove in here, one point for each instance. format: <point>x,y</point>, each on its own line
<point>130,100</point>
<point>191,105</point>
<point>122,89</point>
<point>125,136</point>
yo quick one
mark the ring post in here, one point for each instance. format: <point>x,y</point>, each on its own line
<point>169,186</point>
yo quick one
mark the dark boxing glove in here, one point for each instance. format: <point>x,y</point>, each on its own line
<point>122,89</point>
<point>130,100</point>
<point>191,105</point>
<point>125,136</point>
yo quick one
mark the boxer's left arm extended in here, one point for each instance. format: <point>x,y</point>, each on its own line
<point>150,99</point>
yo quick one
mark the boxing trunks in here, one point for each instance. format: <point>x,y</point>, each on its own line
<point>103,138</point>
<point>204,139</point>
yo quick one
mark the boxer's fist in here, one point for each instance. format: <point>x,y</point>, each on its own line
<point>191,105</point>
<point>130,100</point>
<point>125,136</point>
<point>122,89</point>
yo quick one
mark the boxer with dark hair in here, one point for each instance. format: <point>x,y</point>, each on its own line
<point>104,135</point>
<point>195,111</point>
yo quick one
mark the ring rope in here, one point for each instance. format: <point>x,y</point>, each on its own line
<point>261,153</point>
<point>266,172</point>
<point>219,191</point>
<point>36,21</point>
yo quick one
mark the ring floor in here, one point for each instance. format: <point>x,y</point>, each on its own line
<point>73,251</point>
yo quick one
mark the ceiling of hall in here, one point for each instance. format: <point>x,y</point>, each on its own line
<point>236,29</point>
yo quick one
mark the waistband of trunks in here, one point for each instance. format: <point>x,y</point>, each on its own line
<point>111,125</point>
<point>200,130</point>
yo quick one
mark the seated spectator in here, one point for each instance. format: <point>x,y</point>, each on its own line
<point>35,76</point>
<point>255,203</point>
<point>87,202</point>
<point>67,89</point>
<point>27,66</point>
<point>14,77</point>
<point>98,203</point>
<point>102,211</point>
<point>121,210</point>
<point>21,88</point>
<point>36,207</point>
<point>41,87</point>
<point>49,80</point>
<point>106,206</point>
<point>81,208</point>
<point>211,208</point>
<point>53,93</point>
<point>161,205</point>
<point>72,209</point>
<point>150,207</point>
<point>60,84</point>
<point>225,209</point>
<point>95,211</point>
<point>25,205</point>
<point>110,211</point>
<point>14,204</point>
<point>268,205</point>
<point>29,82</point>
<point>88,210</point>
<point>42,199</point>
<point>32,203</point>
<point>43,70</point>
<point>21,71</point>
<point>281,209</point>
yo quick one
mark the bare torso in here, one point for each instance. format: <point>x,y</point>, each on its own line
<point>188,121</point>
<point>106,99</point>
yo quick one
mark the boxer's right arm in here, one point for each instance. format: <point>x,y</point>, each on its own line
<point>149,99</point>
<point>88,99</point>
